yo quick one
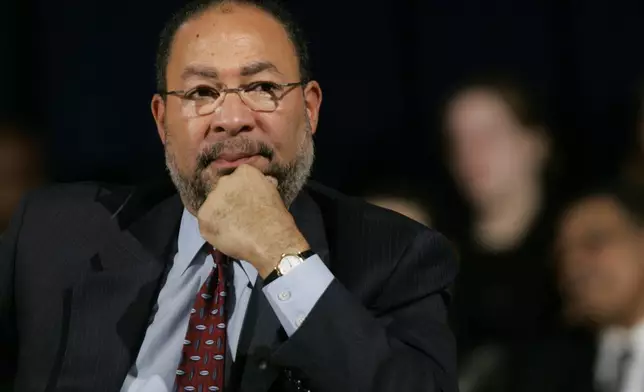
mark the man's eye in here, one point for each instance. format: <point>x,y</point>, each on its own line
<point>202,92</point>
<point>264,87</point>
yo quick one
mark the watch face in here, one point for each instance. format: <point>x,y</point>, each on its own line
<point>288,262</point>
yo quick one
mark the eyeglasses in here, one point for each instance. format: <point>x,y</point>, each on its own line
<point>258,96</point>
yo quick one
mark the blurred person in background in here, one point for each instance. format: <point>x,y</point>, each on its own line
<point>21,169</point>
<point>600,259</point>
<point>498,150</point>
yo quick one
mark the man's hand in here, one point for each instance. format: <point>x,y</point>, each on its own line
<point>245,218</point>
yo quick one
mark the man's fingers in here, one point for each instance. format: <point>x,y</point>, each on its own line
<point>249,171</point>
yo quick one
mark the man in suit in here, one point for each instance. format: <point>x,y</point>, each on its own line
<point>601,265</point>
<point>246,278</point>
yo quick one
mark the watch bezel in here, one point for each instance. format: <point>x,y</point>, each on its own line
<point>276,273</point>
<point>282,269</point>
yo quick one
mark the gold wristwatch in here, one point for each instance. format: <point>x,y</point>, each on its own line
<point>287,262</point>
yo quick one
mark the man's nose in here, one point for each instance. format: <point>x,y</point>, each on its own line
<point>233,116</point>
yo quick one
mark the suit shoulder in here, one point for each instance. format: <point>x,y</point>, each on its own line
<point>75,196</point>
<point>351,209</point>
<point>365,237</point>
<point>362,229</point>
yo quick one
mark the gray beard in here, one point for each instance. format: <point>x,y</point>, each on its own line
<point>291,177</point>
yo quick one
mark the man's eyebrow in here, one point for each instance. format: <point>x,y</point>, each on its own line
<point>257,67</point>
<point>207,72</point>
<point>199,70</point>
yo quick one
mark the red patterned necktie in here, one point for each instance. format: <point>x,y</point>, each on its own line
<point>204,350</point>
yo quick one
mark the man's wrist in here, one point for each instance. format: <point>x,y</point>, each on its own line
<point>287,264</point>
<point>272,258</point>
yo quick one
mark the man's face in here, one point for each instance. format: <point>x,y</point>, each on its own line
<point>490,152</point>
<point>228,47</point>
<point>601,255</point>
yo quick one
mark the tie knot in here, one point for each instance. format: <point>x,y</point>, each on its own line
<point>217,256</point>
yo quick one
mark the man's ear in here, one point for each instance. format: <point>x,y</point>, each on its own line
<point>158,112</point>
<point>312,101</point>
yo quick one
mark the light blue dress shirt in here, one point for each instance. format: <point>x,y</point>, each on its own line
<point>291,296</point>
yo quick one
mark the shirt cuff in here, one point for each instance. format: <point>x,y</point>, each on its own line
<point>293,295</point>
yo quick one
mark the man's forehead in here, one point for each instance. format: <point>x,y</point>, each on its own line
<point>234,39</point>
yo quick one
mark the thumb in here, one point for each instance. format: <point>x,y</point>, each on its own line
<point>272,180</point>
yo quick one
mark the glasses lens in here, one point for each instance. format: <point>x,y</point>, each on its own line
<point>259,100</point>
<point>204,106</point>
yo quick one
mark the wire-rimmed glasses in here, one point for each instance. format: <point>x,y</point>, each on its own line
<point>259,96</point>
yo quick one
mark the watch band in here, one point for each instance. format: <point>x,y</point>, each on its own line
<point>276,273</point>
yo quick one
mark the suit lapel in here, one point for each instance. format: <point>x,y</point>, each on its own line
<point>110,305</point>
<point>310,221</point>
<point>263,329</point>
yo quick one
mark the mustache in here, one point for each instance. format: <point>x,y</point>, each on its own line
<point>237,146</point>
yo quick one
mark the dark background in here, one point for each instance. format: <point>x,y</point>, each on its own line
<point>81,74</point>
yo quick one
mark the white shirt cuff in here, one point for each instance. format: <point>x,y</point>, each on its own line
<point>293,295</point>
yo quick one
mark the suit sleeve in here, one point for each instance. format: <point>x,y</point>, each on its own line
<point>8,332</point>
<point>404,344</point>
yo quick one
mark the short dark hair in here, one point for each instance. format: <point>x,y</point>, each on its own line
<point>629,196</point>
<point>525,102</point>
<point>198,7</point>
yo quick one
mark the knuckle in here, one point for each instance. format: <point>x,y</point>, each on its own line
<point>208,230</point>
<point>246,169</point>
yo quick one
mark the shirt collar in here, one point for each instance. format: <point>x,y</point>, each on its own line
<point>634,334</point>
<point>637,335</point>
<point>191,244</point>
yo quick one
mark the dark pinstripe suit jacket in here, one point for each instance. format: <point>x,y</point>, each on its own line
<point>81,266</point>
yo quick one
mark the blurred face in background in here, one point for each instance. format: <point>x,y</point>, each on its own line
<point>491,152</point>
<point>601,252</point>
<point>228,47</point>
<point>20,171</point>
